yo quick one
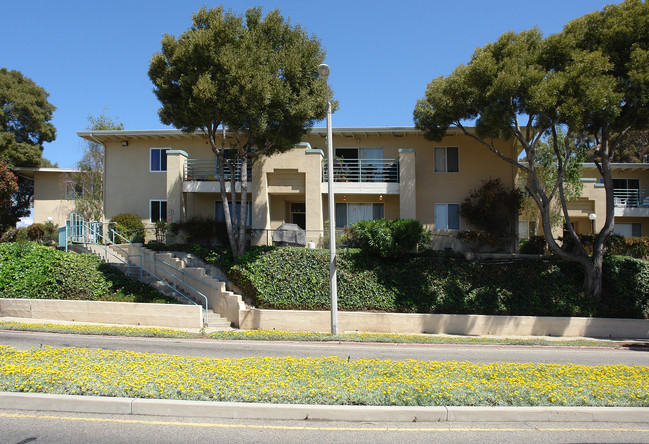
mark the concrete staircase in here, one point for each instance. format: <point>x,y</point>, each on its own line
<point>162,277</point>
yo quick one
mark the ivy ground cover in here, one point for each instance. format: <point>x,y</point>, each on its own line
<point>319,380</point>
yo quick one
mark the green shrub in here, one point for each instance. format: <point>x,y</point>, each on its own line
<point>13,234</point>
<point>35,232</point>
<point>533,245</point>
<point>389,238</point>
<point>30,270</point>
<point>298,278</point>
<point>478,239</point>
<point>493,209</point>
<point>202,231</point>
<point>637,247</point>
<point>128,225</point>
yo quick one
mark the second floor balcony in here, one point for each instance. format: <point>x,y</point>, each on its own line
<point>363,170</point>
<point>631,198</point>
<point>208,170</point>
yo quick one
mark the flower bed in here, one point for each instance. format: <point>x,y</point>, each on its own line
<point>319,380</point>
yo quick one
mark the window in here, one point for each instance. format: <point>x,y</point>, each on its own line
<point>158,159</point>
<point>347,214</point>
<point>157,210</point>
<point>628,230</point>
<point>73,190</point>
<point>447,216</point>
<point>219,215</point>
<point>446,159</point>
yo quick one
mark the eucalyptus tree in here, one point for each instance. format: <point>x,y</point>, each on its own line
<point>589,81</point>
<point>25,115</point>
<point>252,76</point>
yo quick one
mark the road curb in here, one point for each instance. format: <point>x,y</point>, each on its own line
<point>241,410</point>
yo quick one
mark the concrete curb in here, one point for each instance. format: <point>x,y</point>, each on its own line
<point>241,410</point>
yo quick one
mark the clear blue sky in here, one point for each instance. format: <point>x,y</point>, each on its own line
<point>95,54</point>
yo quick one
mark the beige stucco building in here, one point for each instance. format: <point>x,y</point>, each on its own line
<point>391,172</point>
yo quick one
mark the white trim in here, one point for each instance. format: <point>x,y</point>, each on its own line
<point>446,158</point>
<point>157,148</point>
<point>435,216</point>
<point>150,209</point>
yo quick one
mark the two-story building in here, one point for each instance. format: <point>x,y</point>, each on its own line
<point>390,172</point>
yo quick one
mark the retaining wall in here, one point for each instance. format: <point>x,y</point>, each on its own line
<point>126,313</point>
<point>296,320</point>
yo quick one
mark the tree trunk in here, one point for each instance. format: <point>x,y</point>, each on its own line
<point>244,207</point>
<point>593,278</point>
<point>226,208</point>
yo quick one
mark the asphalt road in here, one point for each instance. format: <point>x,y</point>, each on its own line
<point>32,426</point>
<point>241,349</point>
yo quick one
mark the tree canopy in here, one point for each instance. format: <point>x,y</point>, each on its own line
<point>255,76</point>
<point>25,115</point>
<point>590,81</point>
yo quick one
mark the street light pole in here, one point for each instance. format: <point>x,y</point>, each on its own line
<point>323,70</point>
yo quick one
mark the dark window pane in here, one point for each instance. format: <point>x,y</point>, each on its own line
<point>341,215</point>
<point>636,230</point>
<point>163,210</point>
<point>163,160</point>
<point>453,216</point>
<point>377,211</point>
<point>155,210</point>
<point>452,162</point>
<point>155,160</point>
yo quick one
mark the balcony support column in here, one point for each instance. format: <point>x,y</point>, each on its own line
<point>407,184</point>
<point>175,175</point>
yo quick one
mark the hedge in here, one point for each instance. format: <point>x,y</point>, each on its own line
<point>297,278</point>
<point>30,270</point>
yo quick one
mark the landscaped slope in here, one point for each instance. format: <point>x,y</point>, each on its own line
<point>293,278</point>
<point>30,270</point>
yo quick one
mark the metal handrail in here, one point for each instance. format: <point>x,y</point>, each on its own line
<point>363,170</point>
<point>175,279</point>
<point>90,232</point>
<point>208,169</point>
<point>631,197</point>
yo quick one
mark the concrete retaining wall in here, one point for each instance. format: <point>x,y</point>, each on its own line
<point>446,324</point>
<point>127,313</point>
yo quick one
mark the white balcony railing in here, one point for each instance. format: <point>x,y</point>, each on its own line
<point>631,198</point>
<point>363,170</point>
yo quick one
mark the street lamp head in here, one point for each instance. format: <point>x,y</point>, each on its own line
<point>323,70</point>
<point>592,216</point>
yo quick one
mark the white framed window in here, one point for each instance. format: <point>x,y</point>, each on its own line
<point>350,213</point>
<point>219,215</point>
<point>447,216</point>
<point>158,159</point>
<point>447,159</point>
<point>157,210</point>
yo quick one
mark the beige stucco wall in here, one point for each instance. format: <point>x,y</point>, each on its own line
<point>49,197</point>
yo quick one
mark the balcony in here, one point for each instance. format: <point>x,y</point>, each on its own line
<point>631,198</point>
<point>363,170</point>
<point>631,202</point>
<point>208,170</point>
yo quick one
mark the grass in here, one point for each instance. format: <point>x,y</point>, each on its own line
<point>328,380</point>
<point>275,335</point>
